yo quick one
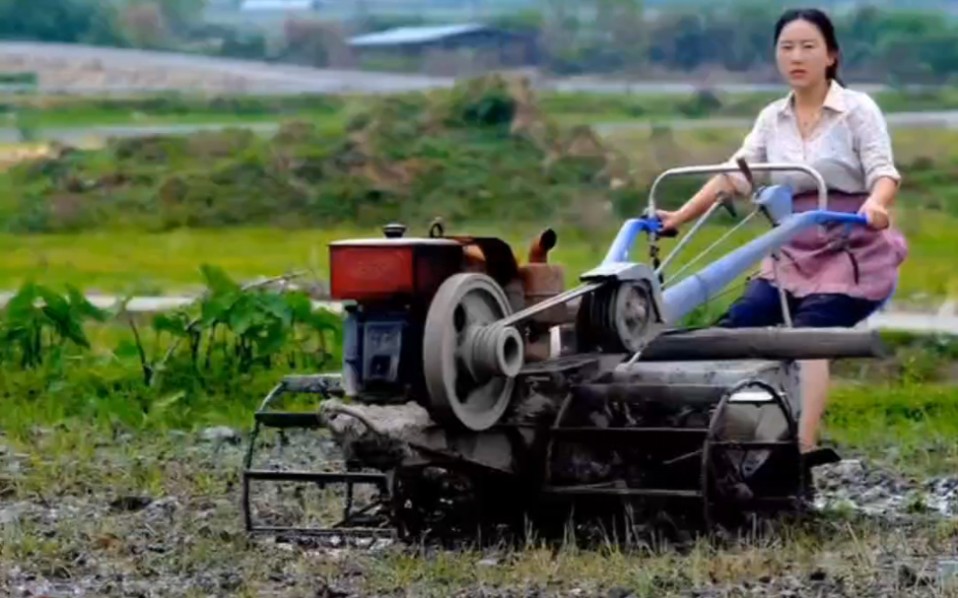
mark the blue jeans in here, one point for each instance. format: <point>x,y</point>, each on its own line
<point>760,306</point>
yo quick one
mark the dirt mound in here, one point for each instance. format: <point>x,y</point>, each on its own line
<point>483,150</point>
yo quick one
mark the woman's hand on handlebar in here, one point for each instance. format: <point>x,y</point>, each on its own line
<point>875,213</point>
<point>671,221</point>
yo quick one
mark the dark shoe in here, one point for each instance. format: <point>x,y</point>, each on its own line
<point>821,456</point>
<point>810,460</point>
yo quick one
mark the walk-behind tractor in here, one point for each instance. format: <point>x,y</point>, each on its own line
<point>477,390</point>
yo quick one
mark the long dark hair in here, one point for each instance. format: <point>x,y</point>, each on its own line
<point>825,26</point>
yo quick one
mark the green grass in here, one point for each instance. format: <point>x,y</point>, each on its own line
<point>619,107</point>
<point>164,263</point>
<point>79,119</point>
<point>907,397</point>
<point>832,548</point>
<point>912,428</point>
<point>569,107</point>
<point>909,427</point>
<point>118,262</point>
<point>68,112</point>
<point>258,207</point>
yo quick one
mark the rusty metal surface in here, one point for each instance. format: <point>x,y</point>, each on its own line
<point>312,383</point>
<point>541,245</point>
<point>764,343</point>
<point>541,282</point>
<point>712,373</point>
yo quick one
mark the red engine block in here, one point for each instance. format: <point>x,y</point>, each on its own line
<point>390,270</point>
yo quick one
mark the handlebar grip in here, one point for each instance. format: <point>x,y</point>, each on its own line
<point>667,234</point>
<point>849,220</point>
<point>658,230</point>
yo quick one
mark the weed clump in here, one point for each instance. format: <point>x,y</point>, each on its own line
<point>224,350</point>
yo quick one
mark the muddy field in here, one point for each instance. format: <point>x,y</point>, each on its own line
<point>161,516</point>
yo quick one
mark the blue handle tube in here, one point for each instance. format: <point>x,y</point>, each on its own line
<point>622,244</point>
<point>685,296</point>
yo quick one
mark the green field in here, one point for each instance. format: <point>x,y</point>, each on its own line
<point>67,111</point>
<point>129,255</point>
<point>567,107</point>
<point>167,263</point>
<point>454,143</point>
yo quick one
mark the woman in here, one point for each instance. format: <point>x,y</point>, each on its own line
<point>843,135</point>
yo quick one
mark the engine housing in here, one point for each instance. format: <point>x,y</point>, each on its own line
<point>387,285</point>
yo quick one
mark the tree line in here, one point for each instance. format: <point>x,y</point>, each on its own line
<point>892,45</point>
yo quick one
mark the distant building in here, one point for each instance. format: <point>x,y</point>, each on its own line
<point>449,48</point>
<point>252,6</point>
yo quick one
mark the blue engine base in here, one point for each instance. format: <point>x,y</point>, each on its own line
<point>378,350</point>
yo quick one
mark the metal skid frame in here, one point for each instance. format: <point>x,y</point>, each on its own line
<point>326,386</point>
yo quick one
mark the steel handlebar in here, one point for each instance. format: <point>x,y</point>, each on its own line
<point>758,167</point>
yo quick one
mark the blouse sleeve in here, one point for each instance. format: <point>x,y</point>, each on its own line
<point>873,143</point>
<point>754,148</point>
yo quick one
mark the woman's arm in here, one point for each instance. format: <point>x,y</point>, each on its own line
<point>698,204</point>
<point>753,150</point>
<point>878,163</point>
<point>881,199</point>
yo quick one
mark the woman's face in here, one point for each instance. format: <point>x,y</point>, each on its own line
<point>802,54</point>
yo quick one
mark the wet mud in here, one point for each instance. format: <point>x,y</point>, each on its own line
<point>180,533</point>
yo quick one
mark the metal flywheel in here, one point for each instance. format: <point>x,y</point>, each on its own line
<point>469,362</point>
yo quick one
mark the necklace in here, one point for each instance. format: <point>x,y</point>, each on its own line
<point>808,124</point>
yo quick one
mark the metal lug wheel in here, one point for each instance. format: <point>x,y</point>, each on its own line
<point>469,362</point>
<point>751,457</point>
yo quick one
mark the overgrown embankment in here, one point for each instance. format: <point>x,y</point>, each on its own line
<point>483,151</point>
<point>488,150</point>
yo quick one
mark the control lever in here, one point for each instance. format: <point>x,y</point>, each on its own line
<point>743,166</point>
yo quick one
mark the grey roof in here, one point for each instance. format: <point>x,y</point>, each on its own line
<point>414,35</point>
<point>278,5</point>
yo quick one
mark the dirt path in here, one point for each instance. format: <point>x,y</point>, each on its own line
<point>78,69</point>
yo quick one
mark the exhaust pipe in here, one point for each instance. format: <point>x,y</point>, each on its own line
<point>539,250</point>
